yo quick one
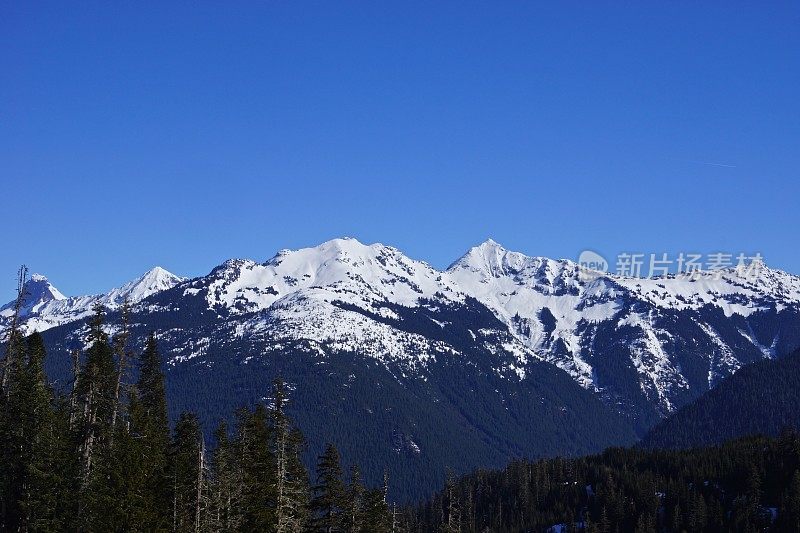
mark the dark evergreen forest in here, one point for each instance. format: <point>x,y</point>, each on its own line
<point>760,398</point>
<point>749,485</point>
<point>102,457</point>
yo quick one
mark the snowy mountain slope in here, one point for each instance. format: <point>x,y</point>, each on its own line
<point>660,332</point>
<point>340,269</point>
<point>344,295</point>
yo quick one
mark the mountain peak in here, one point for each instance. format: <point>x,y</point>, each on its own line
<point>490,243</point>
<point>329,250</point>
<point>155,280</point>
<point>37,291</point>
<point>487,256</point>
<point>38,287</point>
<point>344,244</point>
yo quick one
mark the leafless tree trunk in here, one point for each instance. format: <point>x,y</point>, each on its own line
<point>73,397</point>
<point>90,416</point>
<point>201,452</point>
<point>22,277</point>
<point>120,347</point>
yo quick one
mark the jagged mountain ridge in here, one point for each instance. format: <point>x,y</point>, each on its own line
<point>45,307</point>
<point>646,346</point>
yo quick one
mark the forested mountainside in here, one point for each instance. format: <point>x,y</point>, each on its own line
<point>761,398</point>
<point>500,356</point>
<point>746,485</point>
<point>103,458</point>
<point>465,405</point>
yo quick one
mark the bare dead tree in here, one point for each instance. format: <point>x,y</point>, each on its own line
<point>201,476</point>
<point>73,397</point>
<point>121,351</point>
<point>22,278</point>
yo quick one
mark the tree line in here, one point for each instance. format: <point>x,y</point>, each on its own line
<point>102,456</point>
<point>746,485</point>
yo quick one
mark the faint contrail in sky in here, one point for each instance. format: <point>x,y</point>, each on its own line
<point>711,164</point>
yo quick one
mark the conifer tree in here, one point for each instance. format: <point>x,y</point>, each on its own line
<point>451,522</point>
<point>39,430</point>
<point>102,476</point>
<point>150,432</point>
<point>187,476</point>
<point>31,483</point>
<point>95,391</point>
<point>377,517</point>
<point>257,470</point>
<point>328,503</point>
<point>121,353</point>
<point>226,485</point>
<point>14,339</point>
<point>12,436</point>
<point>11,469</point>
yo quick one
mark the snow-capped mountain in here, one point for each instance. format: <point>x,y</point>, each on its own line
<point>341,269</point>
<point>501,354</point>
<point>646,346</point>
<point>38,292</point>
<point>341,293</point>
<point>672,337</point>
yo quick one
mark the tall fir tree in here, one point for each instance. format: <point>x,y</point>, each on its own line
<point>149,428</point>
<point>355,503</point>
<point>226,483</point>
<point>329,502</point>
<point>187,475</point>
<point>30,434</point>
<point>43,483</point>
<point>12,436</point>
<point>11,474</point>
<point>257,470</point>
<point>95,394</point>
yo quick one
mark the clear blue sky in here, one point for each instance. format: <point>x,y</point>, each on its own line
<point>185,133</point>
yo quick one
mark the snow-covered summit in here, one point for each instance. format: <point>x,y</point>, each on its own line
<point>344,270</point>
<point>38,288</point>
<point>489,260</point>
<point>151,282</point>
<point>559,313</point>
<point>37,291</point>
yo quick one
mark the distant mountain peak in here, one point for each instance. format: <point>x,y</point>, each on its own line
<point>41,286</point>
<point>494,260</point>
<point>37,291</point>
<point>155,280</point>
<point>489,243</point>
